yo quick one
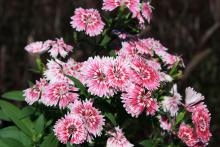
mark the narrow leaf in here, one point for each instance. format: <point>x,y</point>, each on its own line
<point>14,95</point>
<point>50,141</point>
<point>111,117</point>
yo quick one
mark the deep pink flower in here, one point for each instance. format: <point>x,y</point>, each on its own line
<point>136,99</point>
<point>70,128</point>
<point>118,73</point>
<point>164,123</point>
<point>92,117</point>
<point>88,20</point>
<point>132,5</point>
<point>171,103</point>
<point>118,139</point>
<point>192,98</point>
<point>95,76</point>
<point>36,47</point>
<point>144,75</point>
<point>146,11</point>
<point>59,47</point>
<point>186,134</point>
<point>33,94</point>
<point>61,94</point>
<point>201,119</point>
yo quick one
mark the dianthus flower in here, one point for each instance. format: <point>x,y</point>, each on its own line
<point>128,50</point>
<point>132,5</point>
<point>34,93</point>
<point>192,98</point>
<point>171,103</point>
<point>201,119</point>
<point>61,94</point>
<point>36,47</point>
<point>186,134</point>
<point>143,74</point>
<point>118,73</point>
<point>117,139</point>
<point>136,99</point>
<point>164,123</point>
<point>88,20</point>
<point>92,117</point>
<point>70,128</point>
<point>56,71</point>
<point>59,47</point>
<point>95,76</point>
<point>146,11</point>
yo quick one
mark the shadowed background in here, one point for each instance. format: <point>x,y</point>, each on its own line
<point>188,28</point>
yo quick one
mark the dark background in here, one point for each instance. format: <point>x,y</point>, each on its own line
<point>190,28</point>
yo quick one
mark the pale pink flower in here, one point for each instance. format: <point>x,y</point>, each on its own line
<point>128,50</point>
<point>95,76</point>
<point>70,128</point>
<point>56,71</point>
<point>143,47</point>
<point>33,94</point>
<point>36,47</point>
<point>146,11</point>
<point>171,103</point>
<point>201,119</point>
<point>164,123</point>
<point>186,134</point>
<point>192,98</point>
<point>144,75</point>
<point>167,58</point>
<point>132,5</point>
<point>118,73</point>
<point>154,64</point>
<point>92,117</point>
<point>61,94</point>
<point>88,20</point>
<point>165,77</point>
<point>59,47</point>
<point>136,99</point>
<point>117,139</point>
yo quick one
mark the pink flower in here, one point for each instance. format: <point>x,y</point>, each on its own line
<point>143,47</point>
<point>171,103</point>
<point>118,73</point>
<point>133,5</point>
<point>61,94</point>
<point>88,20</point>
<point>70,127</point>
<point>164,123</point>
<point>146,11</point>
<point>33,94</point>
<point>136,99</point>
<point>36,47</point>
<point>95,76</point>
<point>128,50</point>
<point>57,71</point>
<point>92,117</point>
<point>59,47</point>
<point>118,139</point>
<point>144,75</point>
<point>201,119</point>
<point>192,98</point>
<point>187,135</point>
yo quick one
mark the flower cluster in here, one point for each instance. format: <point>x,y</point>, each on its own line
<point>139,76</point>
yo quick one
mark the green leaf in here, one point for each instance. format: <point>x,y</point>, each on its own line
<point>174,68</point>
<point>3,116</point>
<point>70,145</point>
<point>50,141</point>
<point>26,111</point>
<point>79,85</point>
<point>13,113</point>
<point>111,117</point>
<point>146,143</point>
<point>14,95</point>
<point>10,142</point>
<point>179,118</point>
<point>39,125</point>
<point>105,41</point>
<point>14,133</point>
